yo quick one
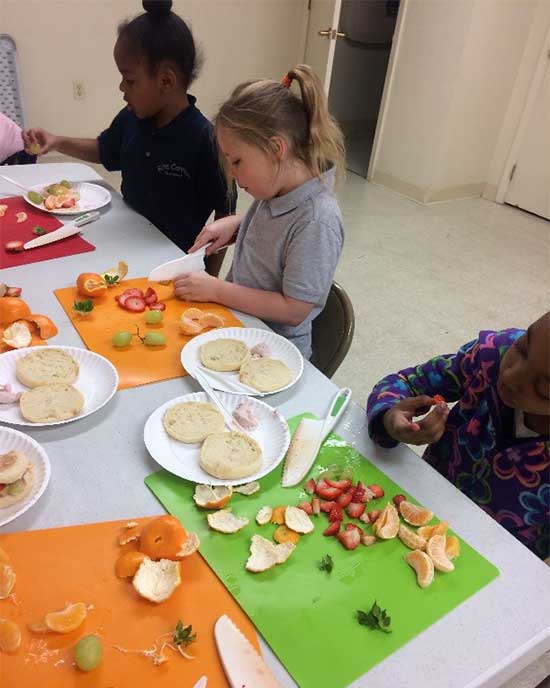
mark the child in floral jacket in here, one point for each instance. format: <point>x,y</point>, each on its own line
<point>494,444</point>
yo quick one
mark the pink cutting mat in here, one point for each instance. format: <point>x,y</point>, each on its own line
<point>11,230</point>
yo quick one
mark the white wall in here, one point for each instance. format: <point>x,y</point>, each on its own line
<point>454,73</point>
<point>62,40</point>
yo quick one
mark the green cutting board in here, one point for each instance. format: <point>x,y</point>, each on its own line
<point>306,615</point>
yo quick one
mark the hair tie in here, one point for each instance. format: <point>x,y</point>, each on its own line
<point>286,81</point>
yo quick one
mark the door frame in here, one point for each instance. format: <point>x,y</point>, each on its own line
<point>534,88</point>
<point>388,84</point>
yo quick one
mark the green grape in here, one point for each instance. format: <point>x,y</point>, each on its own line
<point>65,183</point>
<point>34,197</point>
<point>154,339</point>
<point>34,149</point>
<point>121,339</point>
<point>153,317</point>
<point>88,652</point>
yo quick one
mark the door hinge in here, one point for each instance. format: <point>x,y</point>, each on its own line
<point>309,5</point>
<point>512,172</point>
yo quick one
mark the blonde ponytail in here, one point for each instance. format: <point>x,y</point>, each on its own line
<point>257,111</point>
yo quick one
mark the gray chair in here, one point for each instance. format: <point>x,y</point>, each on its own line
<point>332,331</point>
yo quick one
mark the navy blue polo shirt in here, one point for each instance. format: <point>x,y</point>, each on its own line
<point>170,175</point>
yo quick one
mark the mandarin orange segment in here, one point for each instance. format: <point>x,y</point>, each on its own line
<point>411,539</point>
<point>190,327</point>
<point>284,534</point>
<point>278,515</point>
<point>423,566</point>
<point>10,636</point>
<point>435,549</point>
<point>414,514</point>
<point>452,546</point>
<point>7,580</point>
<point>163,538</point>
<point>128,563</point>
<point>193,314</point>
<point>386,525</point>
<point>67,619</point>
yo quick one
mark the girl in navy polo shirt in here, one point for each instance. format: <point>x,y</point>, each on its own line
<point>283,147</point>
<point>161,142</point>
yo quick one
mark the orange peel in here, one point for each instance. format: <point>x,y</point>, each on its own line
<point>46,327</point>
<point>131,533</point>
<point>163,538</point>
<point>278,515</point>
<point>284,534</point>
<point>13,308</point>
<point>212,320</point>
<point>207,497</point>
<point>128,563</point>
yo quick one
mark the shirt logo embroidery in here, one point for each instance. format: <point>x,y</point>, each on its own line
<point>173,170</point>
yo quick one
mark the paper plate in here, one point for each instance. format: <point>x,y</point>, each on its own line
<point>279,347</point>
<point>97,380</point>
<point>182,459</point>
<point>11,440</point>
<point>92,197</point>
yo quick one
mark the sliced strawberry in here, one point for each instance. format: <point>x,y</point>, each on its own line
<point>439,399</point>
<point>365,517</point>
<point>69,203</point>
<point>326,506</point>
<point>368,495</point>
<point>352,526</point>
<point>306,506</point>
<point>333,528</point>
<point>340,484</point>
<point>344,499</point>
<point>159,306</point>
<point>336,513</point>
<point>122,298</point>
<point>150,296</point>
<point>316,506</point>
<point>309,487</point>
<point>349,538</point>
<point>328,492</point>
<point>134,291</point>
<point>397,499</point>
<point>321,485</point>
<point>359,494</point>
<point>373,515</point>
<point>355,509</point>
<point>377,490</point>
<point>134,304</point>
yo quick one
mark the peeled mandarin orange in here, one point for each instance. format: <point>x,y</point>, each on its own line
<point>128,563</point>
<point>435,549</point>
<point>12,308</point>
<point>423,566</point>
<point>411,539</point>
<point>194,314</point>
<point>212,320</point>
<point>386,525</point>
<point>10,636</point>
<point>415,515</point>
<point>190,327</point>
<point>190,546</point>
<point>163,538</point>
<point>7,580</point>
<point>67,619</point>
<point>90,284</point>
<point>452,546</point>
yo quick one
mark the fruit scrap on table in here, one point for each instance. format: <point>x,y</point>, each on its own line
<point>207,497</point>
<point>21,217</point>
<point>64,621</point>
<point>326,564</point>
<point>178,641</point>
<point>83,308</point>
<point>114,276</point>
<point>5,290</point>
<point>265,555</point>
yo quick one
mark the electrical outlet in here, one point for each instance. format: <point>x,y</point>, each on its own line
<point>79,93</point>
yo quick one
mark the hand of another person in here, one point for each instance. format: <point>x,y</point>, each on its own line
<point>399,421</point>
<point>196,286</point>
<point>219,232</point>
<point>39,141</point>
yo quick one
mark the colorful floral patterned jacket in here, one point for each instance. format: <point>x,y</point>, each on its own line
<point>508,477</point>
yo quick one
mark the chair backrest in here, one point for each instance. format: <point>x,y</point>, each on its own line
<point>11,100</point>
<point>332,331</point>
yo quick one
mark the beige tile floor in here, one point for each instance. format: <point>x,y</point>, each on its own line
<point>425,279</point>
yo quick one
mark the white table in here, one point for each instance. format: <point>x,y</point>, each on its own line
<point>99,463</point>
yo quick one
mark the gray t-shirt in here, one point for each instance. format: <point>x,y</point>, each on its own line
<point>291,245</point>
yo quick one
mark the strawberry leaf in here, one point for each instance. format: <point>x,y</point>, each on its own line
<point>326,563</point>
<point>183,635</point>
<point>375,618</point>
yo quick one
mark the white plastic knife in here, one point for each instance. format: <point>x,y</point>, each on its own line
<point>190,262</point>
<point>243,666</point>
<point>308,440</point>
<point>63,232</point>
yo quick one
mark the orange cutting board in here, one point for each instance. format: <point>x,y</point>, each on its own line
<point>76,564</point>
<point>137,364</point>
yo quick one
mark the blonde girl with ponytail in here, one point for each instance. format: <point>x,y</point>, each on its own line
<point>281,145</point>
